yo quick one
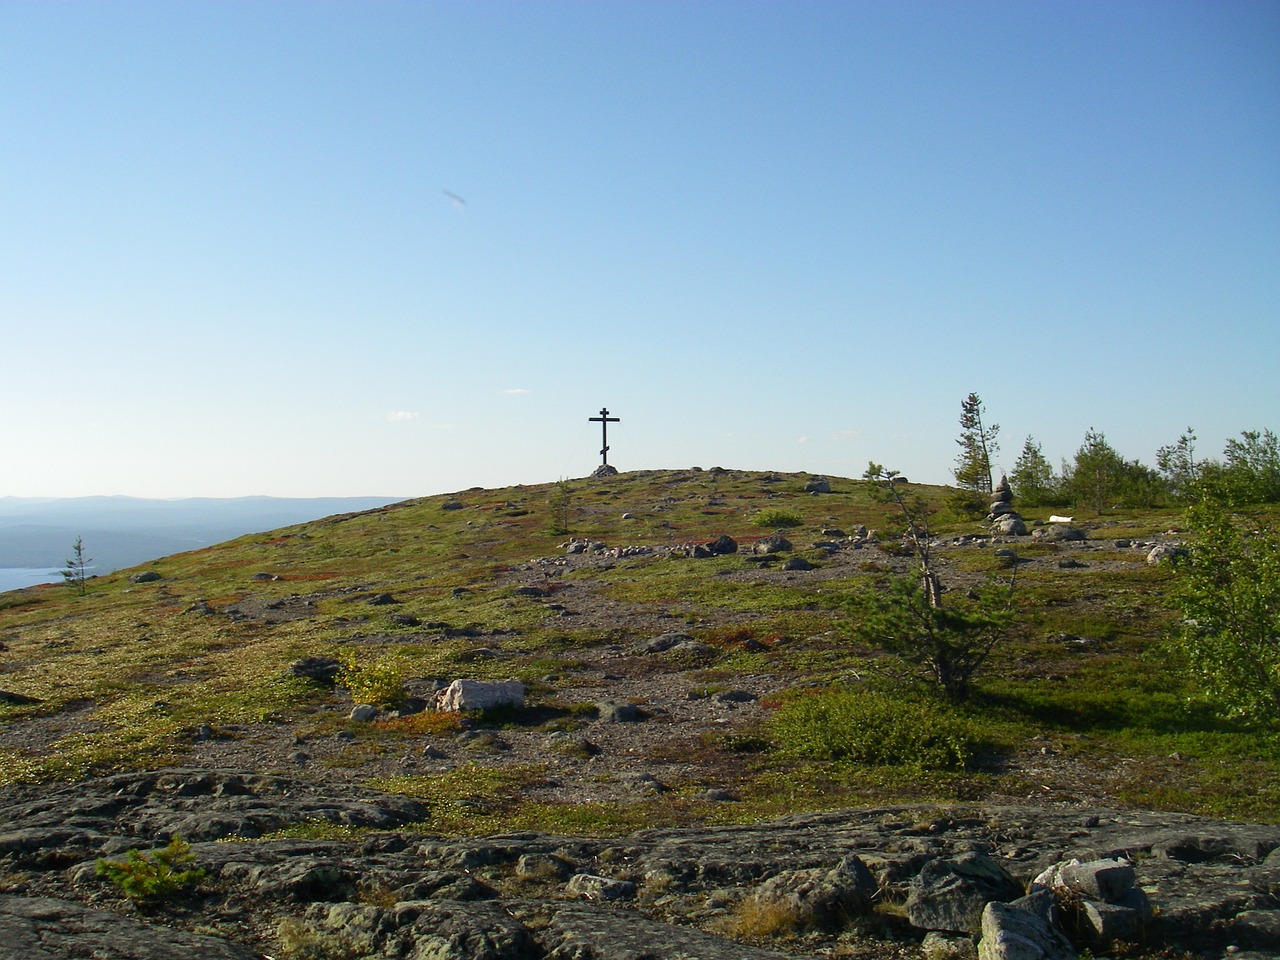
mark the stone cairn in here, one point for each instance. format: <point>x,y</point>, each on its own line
<point>1007,521</point>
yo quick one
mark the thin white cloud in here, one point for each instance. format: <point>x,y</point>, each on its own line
<point>514,391</point>
<point>848,434</point>
<point>802,439</point>
<point>401,416</point>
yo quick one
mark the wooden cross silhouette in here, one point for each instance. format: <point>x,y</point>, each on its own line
<point>604,420</point>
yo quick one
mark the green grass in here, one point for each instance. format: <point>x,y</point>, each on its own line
<point>138,671</point>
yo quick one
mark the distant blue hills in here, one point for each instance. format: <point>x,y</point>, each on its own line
<point>120,532</point>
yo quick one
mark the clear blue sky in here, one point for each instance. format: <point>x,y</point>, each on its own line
<point>775,235</point>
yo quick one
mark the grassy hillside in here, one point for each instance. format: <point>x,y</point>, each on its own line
<point>1080,705</point>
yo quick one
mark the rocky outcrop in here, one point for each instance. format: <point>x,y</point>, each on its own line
<point>385,890</point>
<point>44,928</point>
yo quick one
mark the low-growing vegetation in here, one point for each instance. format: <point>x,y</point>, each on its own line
<point>147,877</point>
<point>1091,672</point>
<point>875,729</point>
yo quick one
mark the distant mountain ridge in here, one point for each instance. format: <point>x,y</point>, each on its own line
<point>121,532</point>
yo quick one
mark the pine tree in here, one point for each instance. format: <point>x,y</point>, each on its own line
<point>1032,476</point>
<point>977,447</point>
<point>74,573</point>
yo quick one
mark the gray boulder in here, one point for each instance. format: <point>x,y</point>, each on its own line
<point>662,642</point>
<point>611,712</point>
<point>1166,553</point>
<point>821,898</point>
<point>592,887</point>
<point>1011,525</point>
<point>1023,930</point>
<point>1107,880</point>
<point>951,894</point>
<point>722,545</point>
<point>771,545</point>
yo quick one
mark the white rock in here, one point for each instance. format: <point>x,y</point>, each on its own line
<point>480,695</point>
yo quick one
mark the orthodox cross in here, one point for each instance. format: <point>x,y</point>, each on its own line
<point>604,420</point>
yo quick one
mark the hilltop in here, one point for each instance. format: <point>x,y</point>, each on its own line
<point>666,684</point>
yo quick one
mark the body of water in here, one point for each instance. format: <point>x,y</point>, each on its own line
<point>14,578</point>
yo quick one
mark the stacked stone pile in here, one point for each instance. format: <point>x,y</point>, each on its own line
<point>1007,521</point>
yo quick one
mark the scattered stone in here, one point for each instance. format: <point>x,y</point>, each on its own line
<point>1058,533</point>
<point>818,485</point>
<point>1011,525</point>
<point>530,591</point>
<point>610,712</point>
<point>797,563</point>
<point>1023,930</point>
<point>451,505</point>
<point>722,545</point>
<point>591,887</point>
<point>543,866</point>
<point>662,643</point>
<point>950,894</point>
<point>1166,553</point>
<point>479,695</point>
<point>149,576</point>
<point>363,712</point>
<point>1107,880</point>
<point>717,795</point>
<point>319,669</point>
<point>643,783</point>
<point>734,696</point>
<point>382,600</point>
<point>821,898</point>
<point>771,545</point>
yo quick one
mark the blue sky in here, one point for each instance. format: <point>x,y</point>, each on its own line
<point>785,236</point>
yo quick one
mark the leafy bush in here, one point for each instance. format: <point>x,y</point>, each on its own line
<point>1229,596</point>
<point>873,729</point>
<point>379,682</point>
<point>144,877</point>
<point>774,517</point>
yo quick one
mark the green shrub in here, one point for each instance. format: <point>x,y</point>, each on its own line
<point>154,876</point>
<point>379,682</point>
<point>873,729</point>
<point>1228,592</point>
<point>774,517</point>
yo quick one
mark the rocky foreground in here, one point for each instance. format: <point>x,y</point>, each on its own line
<point>900,881</point>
